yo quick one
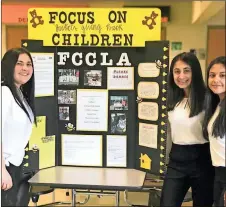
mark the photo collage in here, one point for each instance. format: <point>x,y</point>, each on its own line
<point>69,78</point>
<point>70,81</point>
<point>118,119</point>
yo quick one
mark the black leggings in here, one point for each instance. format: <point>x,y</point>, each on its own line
<point>219,186</point>
<point>176,185</point>
<point>18,195</point>
<point>183,173</point>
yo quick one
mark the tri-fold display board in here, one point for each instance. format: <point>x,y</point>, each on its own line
<point>104,104</point>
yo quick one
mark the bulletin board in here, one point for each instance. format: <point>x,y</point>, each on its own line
<point>99,105</point>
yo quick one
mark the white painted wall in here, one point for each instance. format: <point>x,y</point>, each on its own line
<point>198,7</point>
<point>218,19</point>
<point>180,27</point>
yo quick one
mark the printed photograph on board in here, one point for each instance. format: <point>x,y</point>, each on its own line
<point>118,123</point>
<point>66,96</point>
<point>118,102</point>
<point>92,77</point>
<point>64,113</point>
<point>68,77</point>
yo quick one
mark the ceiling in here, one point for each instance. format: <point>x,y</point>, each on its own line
<point>87,1</point>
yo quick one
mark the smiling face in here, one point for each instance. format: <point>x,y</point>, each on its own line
<point>182,75</point>
<point>216,80</point>
<point>23,70</point>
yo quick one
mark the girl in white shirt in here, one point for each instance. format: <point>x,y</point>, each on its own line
<point>190,162</point>
<point>215,124</point>
<point>18,115</point>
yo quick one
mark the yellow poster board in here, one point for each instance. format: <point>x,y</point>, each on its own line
<point>47,152</point>
<point>116,27</point>
<point>45,144</point>
<point>38,132</point>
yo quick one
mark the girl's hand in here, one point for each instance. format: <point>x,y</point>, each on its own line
<point>7,182</point>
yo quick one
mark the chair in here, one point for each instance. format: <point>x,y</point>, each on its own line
<point>36,191</point>
<point>154,198</point>
<point>154,189</point>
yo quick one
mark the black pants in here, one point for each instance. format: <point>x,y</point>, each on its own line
<point>189,166</point>
<point>18,195</point>
<point>219,186</point>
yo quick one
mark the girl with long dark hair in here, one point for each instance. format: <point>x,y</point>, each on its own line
<point>189,160</point>
<point>214,124</point>
<point>18,116</point>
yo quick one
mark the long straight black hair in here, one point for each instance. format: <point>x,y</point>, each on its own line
<point>9,62</point>
<point>197,88</point>
<point>211,102</point>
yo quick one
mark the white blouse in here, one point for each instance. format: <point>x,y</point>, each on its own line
<point>16,128</point>
<point>217,144</point>
<point>185,130</point>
